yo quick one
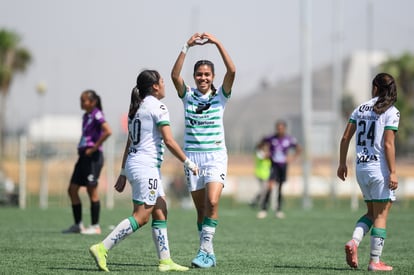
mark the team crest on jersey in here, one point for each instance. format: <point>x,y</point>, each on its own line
<point>98,115</point>
<point>91,178</point>
<point>152,196</point>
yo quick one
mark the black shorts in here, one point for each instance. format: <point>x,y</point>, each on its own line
<point>87,169</point>
<point>278,172</point>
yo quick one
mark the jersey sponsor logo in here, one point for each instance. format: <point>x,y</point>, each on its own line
<point>202,107</point>
<point>194,122</point>
<point>162,107</point>
<point>366,108</point>
<point>364,157</point>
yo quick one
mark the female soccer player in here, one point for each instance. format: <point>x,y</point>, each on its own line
<point>149,129</point>
<point>95,130</point>
<point>375,123</point>
<point>204,141</point>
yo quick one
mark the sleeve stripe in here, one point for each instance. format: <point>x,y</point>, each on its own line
<point>162,123</point>
<point>391,128</point>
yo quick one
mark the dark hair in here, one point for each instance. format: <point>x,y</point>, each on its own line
<point>281,121</point>
<point>93,96</point>
<point>261,143</point>
<point>208,63</point>
<point>145,80</point>
<point>386,92</point>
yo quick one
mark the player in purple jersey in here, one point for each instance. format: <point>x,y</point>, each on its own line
<point>95,130</point>
<point>279,145</point>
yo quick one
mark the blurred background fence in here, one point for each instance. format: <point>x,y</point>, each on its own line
<point>38,174</point>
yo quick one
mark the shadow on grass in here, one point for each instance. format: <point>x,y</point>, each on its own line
<point>113,265</point>
<point>315,268</point>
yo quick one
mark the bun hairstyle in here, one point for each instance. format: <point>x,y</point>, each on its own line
<point>386,92</point>
<point>143,88</point>
<point>211,65</point>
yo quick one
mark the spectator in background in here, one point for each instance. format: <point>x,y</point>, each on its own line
<point>280,145</point>
<point>262,166</point>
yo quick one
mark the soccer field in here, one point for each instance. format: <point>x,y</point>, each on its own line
<point>305,242</point>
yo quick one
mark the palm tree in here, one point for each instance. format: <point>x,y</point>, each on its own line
<point>13,59</point>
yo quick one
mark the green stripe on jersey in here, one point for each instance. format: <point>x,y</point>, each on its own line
<point>201,142</point>
<point>211,118</point>
<point>191,149</point>
<point>203,134</point>
<point>204,112</point>
<point>202,126</point>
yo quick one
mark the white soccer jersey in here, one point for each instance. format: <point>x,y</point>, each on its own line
<point>369,136</point>
<point>204,130</point>
<point>147,145</point>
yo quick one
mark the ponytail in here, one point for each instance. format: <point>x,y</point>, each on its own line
<point>143,88</point>
<point>135,102</point>
<point>386,92</point>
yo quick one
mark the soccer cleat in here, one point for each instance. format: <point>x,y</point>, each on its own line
<point>211,259</point>
<point>262,214</point>
<point>380,266</point>
<point>280,215</point>
<point>99,254</point>
<point>75,228</point>
<point>204,260</point>
<point>169,265</point>
<point>92,230</point>
<point>351,251</point>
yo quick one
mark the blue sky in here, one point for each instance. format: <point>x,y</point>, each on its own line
<point>103,44</point>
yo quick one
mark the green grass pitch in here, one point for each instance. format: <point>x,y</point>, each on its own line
<point>305,242</point>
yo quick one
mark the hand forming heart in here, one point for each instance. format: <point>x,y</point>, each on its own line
<point>201,41</point>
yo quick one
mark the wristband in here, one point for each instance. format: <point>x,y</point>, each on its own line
<point>122,172</point>
<point>185,48</point>
<point>189,164</point>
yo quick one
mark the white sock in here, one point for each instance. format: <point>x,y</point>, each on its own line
<point>377,243</point>
<point>359,232</point>
<point>121,231</point>
<point>160,238</point>
<point>206,239</point>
